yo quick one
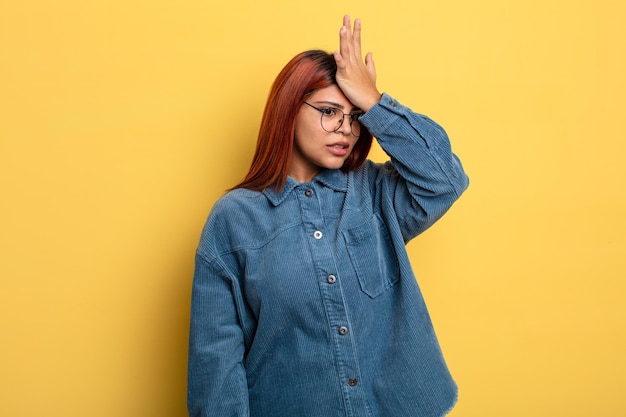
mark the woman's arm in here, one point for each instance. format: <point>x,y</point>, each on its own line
<point>217,384</point>
<point>424,177</point>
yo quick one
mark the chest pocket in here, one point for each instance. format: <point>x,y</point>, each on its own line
<point>373,256</point>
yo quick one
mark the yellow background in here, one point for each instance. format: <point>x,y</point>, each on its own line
<point>122,121</point>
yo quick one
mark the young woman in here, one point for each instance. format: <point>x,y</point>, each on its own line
<point>304,302</point>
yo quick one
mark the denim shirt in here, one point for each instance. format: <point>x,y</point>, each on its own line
<point>304,302</point>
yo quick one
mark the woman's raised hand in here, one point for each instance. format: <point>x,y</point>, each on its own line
<point>355,77</point>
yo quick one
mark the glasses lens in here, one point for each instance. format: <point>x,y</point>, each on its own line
<point>356,126</point>
<point>332,121</point>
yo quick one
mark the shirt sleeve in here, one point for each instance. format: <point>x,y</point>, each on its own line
<point>217,384</point>
<point>424,177</point>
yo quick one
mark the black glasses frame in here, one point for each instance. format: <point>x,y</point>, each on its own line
<point>354,117</point>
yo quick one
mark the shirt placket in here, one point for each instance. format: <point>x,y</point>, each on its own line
<point>321,235</point>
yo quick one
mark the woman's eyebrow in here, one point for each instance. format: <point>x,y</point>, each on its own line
<point>337,105</point>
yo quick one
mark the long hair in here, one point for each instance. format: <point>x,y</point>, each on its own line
<point>302,76</point>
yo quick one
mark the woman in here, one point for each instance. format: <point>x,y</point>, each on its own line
<point>304,302</point>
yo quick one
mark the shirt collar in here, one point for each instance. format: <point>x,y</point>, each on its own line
<point>331,178</point>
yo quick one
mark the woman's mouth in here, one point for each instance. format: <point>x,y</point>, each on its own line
<point>338,149</point>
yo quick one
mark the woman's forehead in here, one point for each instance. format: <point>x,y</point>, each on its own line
<point>332,95</point>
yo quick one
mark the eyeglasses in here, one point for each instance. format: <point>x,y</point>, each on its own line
<point>332,119</point>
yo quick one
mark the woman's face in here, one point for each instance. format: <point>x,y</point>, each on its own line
<point>315,148</point>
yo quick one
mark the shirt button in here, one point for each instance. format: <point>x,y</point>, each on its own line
<point>317,235</point>
<point>343,330</point>
<point>331,279</point>
<point>308,192</point>
<point>352,382</point>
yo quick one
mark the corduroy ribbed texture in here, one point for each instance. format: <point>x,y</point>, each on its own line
<point>304,301</point>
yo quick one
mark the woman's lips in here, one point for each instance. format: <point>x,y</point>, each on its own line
<point>339,149</point>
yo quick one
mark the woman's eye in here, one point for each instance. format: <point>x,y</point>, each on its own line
<point>328,111</point>
<point>355,116</point>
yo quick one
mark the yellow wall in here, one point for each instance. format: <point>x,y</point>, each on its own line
<point>121,122</point>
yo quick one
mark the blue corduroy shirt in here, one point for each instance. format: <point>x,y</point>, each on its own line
<point>304,302</point>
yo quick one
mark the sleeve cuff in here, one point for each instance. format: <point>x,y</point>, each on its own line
<point>382,114</point>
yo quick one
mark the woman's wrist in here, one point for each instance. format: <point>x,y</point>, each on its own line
<point>370,101</point>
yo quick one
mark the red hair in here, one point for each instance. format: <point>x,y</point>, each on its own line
<point>304,74</point>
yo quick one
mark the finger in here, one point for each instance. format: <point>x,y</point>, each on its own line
<point>344,42</point>
<point>346,21</point>
<point>341,64</point>
<point>356,38</point>
<point>369,64</point>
